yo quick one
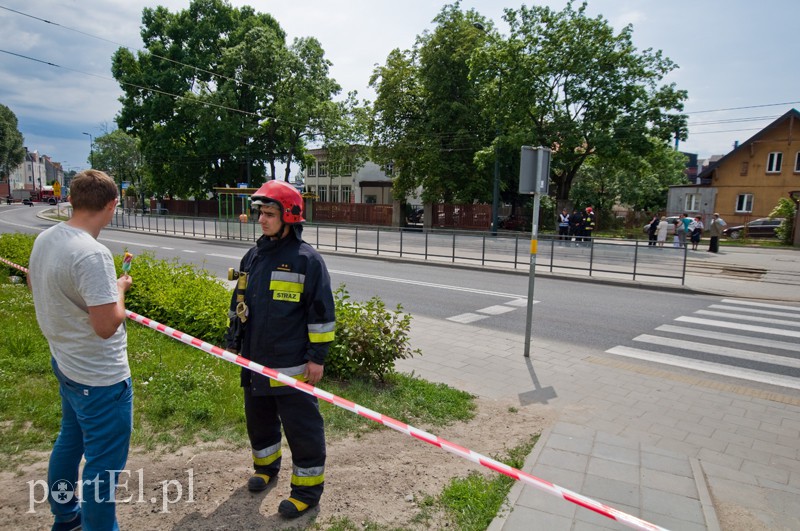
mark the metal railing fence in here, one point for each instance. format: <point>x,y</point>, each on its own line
<point>626,259</point>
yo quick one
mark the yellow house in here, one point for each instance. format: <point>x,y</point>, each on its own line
<point>751,179</point>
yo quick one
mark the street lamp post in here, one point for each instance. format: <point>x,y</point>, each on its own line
<point>496,183</point>
<point>91,149</point>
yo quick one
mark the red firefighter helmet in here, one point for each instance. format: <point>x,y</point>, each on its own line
<point>285,195</point>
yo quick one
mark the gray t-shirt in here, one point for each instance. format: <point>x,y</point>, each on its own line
<point>71,271</point>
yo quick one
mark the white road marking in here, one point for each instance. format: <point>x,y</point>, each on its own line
<point>519,302</point>
<point>740,326</point>
<point>427,284</point>
<point>225,256</point>
<point>496,310</point>
<point>705,366</point>
<point>761,304</point>
<point>466,318</point>
<point>128,243</point>
<point>753,310</point>
<point>694,346</point>
<point>748,317</point>
<point>733,338</point>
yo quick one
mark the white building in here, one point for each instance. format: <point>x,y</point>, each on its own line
<point>368,184</point>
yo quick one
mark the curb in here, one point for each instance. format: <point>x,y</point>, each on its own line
<point>516,490</point>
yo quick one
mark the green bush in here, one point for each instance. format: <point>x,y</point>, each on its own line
<point>16,247</point>
<point>784,209</point>
<point>178,295</point>
<point>369,338</point>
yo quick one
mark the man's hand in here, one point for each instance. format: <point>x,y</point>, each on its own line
<point>124,283</point>
<point>313,372</point>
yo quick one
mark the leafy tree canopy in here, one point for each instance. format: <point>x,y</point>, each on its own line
<point>117,153</point>
<point>571,83</point>
<point>465,96</point>
<point>427,118</point>
<point>640,182</point>
<point>12,148</point>
<point>217,97</point>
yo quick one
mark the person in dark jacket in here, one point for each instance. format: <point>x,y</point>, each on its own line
<point>652,231</point>
<point>576,226</point>
<point>284,320</point>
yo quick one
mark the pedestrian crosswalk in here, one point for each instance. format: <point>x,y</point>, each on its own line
<point>750,340</point>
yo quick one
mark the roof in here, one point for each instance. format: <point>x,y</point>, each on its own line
<point>793,113</point>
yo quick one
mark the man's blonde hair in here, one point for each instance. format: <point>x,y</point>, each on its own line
<point>92,190</point>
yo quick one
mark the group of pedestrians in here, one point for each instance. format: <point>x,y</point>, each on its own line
<point>578,226</point>
<point>685,226</point>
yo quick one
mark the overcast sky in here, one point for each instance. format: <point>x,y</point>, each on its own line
<point>733,54</point>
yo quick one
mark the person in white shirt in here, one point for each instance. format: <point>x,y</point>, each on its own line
<point>80,308</point>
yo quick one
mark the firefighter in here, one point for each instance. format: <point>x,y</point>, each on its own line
<point>286,323</point>
<point>588,224</point>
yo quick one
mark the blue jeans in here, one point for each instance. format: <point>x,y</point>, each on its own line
<point>96,422</point>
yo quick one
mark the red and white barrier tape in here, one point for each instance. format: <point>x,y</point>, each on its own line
<point>12,264</point>
<point>402,427</point>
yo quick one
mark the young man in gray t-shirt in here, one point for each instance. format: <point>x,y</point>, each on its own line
<point>80,307</point>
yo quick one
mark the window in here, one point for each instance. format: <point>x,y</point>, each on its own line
<point>311,190</point>
<point>346,194</point>
<point>774,161</point>
<point>744,203</point>
<point>323,169</point>
<point>334,194</point>
<point>692,203</point>
<point>312,170</point>
<point>323,193</point>
<point>389,170</point>
<point>797,163</point>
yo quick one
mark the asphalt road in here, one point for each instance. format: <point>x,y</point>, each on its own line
<point>749,340</point>
<point>592,314</point>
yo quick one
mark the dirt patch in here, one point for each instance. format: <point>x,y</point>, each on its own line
<point>380,477</point>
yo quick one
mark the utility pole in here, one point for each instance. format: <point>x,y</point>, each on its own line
<point>91,149</point>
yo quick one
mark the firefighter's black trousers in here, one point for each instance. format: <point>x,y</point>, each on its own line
<point>299,414</point>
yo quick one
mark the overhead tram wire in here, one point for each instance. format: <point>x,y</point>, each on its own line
<point>151,89</point>
<point>141,87</point>
<point>97,37</point>
<point>744,108</point>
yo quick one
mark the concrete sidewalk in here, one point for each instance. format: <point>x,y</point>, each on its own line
<point>677,448</point>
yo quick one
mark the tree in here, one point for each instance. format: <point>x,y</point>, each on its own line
<point>217,97</point>
<point>12,148</point>
<point>427,119</point>
<point>638,182</point>
<point>570,83</point>
<point>117,154</point>
<point>191,108</point>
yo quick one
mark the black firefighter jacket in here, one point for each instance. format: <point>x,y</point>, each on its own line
<point>291,316</point>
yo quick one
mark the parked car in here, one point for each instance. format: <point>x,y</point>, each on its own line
<point>670,225</point>
<point>758,228</point>
<point>27,201</point>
